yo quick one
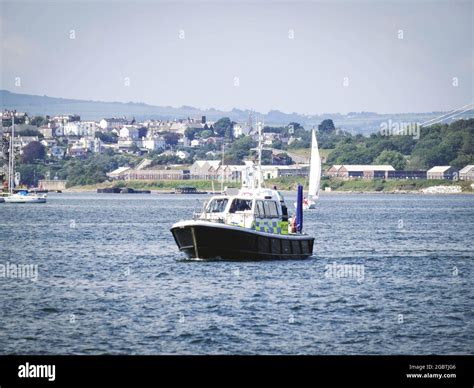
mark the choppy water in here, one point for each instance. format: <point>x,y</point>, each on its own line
<point>111,280</point>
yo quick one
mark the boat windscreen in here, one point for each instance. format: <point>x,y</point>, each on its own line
<point>240,205</point>
<point>217,205</point>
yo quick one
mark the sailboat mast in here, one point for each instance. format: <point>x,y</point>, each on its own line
<point>12,157</point>
<point>222,169</point>
<point>259,155</point>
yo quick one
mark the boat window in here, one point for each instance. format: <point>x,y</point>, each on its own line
<point>284,211</point>
<point>260,210</point>
<point>274,209</point>
<point>240,205</point>
<point>217,205</point>
<point>271,210</point>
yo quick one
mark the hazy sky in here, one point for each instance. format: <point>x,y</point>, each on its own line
<point>343,56</point>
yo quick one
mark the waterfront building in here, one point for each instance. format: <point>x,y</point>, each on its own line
<point>467,173</point>
<point>333,171</point>
<point>52,184</point>
<point>363,171</point>
<point>441,172</point>
<point>402,174</point>
<point>119,173</point>
<point>204,169</point>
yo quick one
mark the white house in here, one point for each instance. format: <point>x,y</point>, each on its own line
<point>114,122</point>
<point>129,132</point>
<point>154,143</point>
<point>204,169</point>
<point>270,137</point>
<point>86,144</point>
<point>440,172</point>
<point>119,173</point>
<point>182,154</point>
<point>241,129</point>
<point>47,131</point>
<point>467,173</point>
<point>178,128</point>
<point>48,142</point>
<point>365,171</point>
<point>22,141</point>
<point>97,147</point>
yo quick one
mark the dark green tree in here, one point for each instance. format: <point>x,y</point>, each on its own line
<point>326,125</point>
<point>33,151</point>
<point>394,158</point>
<point>223,127</point>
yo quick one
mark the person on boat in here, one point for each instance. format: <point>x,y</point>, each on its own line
<point>292,225</point>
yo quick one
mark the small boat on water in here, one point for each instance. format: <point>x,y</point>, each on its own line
<point>188,190</point>
<point>23,196</point>
<point>252,224</point>
<point>18,196</point>
<point>125,190</point>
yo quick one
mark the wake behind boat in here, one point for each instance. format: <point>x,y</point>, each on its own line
<point>253,224</point>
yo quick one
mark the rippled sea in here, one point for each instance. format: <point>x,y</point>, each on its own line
<point>111,280</point>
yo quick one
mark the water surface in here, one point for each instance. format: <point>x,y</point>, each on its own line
<point>111,280</point>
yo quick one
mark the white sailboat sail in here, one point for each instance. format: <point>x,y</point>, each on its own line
<point>315,169</point>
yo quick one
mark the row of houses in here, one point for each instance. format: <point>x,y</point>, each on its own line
<point>348,171</point>
<point>206,170</point>
<point>214,170</point>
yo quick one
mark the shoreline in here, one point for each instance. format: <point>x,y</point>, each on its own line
<point>288,192</point>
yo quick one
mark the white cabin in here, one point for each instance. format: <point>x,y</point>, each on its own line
<point>259,209</point>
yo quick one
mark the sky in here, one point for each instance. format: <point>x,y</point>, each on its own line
<point>304,57</point>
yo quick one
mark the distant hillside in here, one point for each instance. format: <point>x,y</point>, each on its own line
<point>355,122</point>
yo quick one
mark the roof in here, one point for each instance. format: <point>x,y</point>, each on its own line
<point>233,167</point>
<point>439,169</point>
<point>118,171</point>
<point>214,163</point>
<point>368,167</point>
<point>116,119</point>
<point>466,169</point>
<point>200,163</point>
<point>292,166</point>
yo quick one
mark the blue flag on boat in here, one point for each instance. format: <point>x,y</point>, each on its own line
<point>299,209</point>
